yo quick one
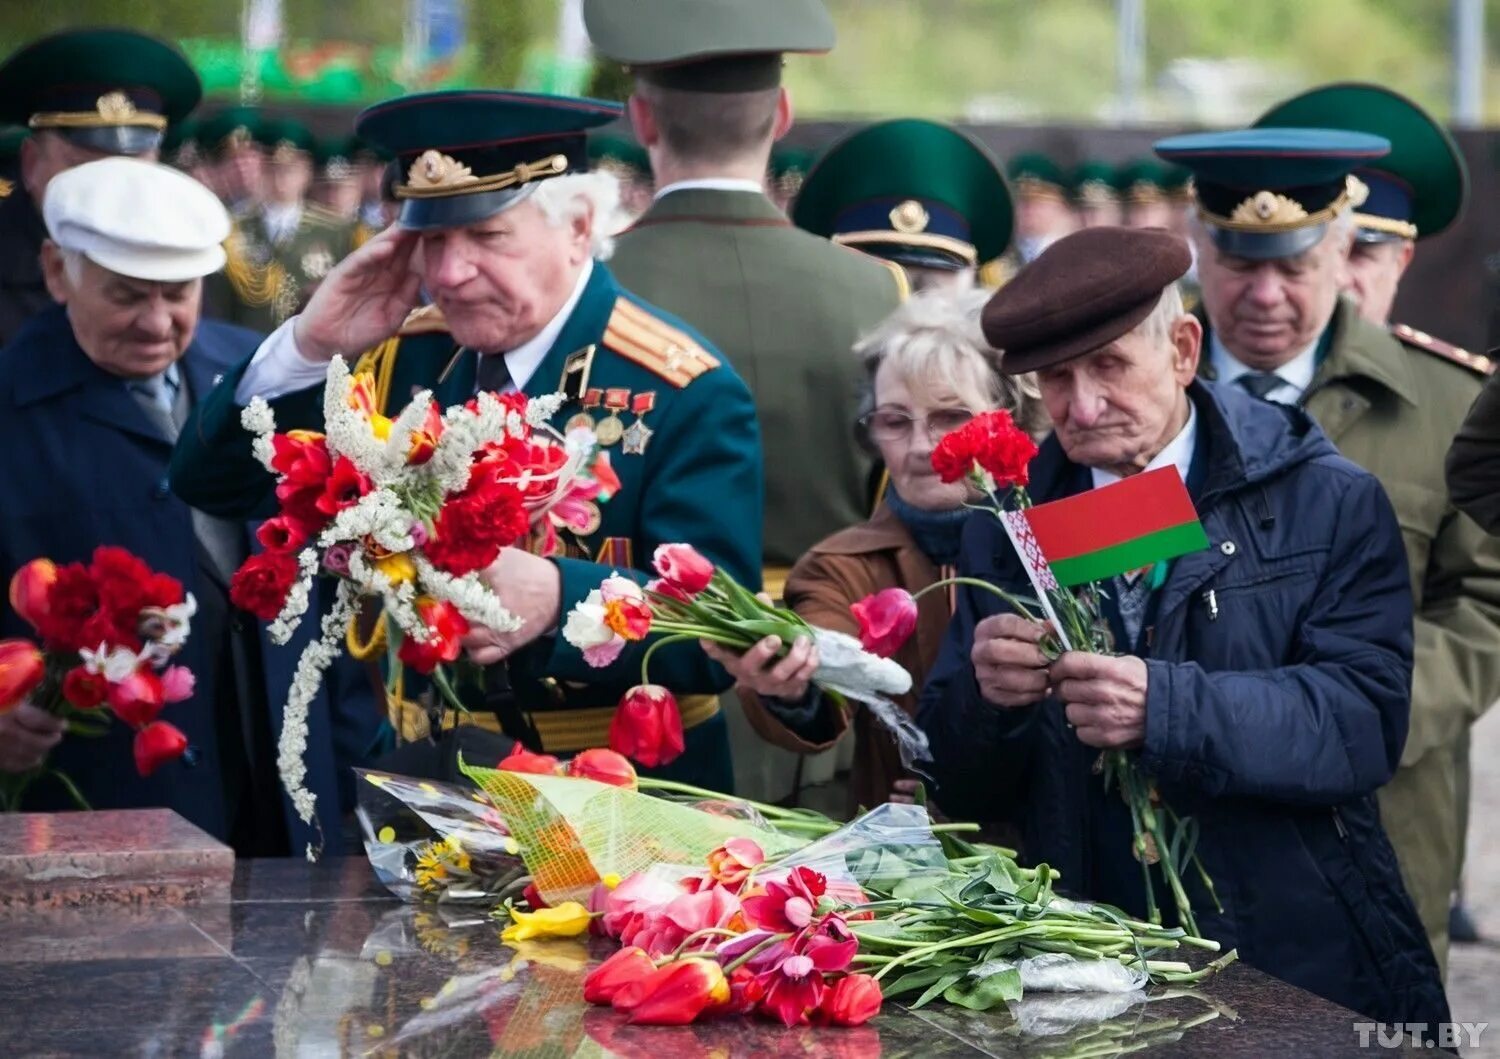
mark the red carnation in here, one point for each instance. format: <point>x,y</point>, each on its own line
<point>72,601</point>
<point>991,440</point>
<point>343,488</point>
<point>446,627</point>
<point>475,524</point>
<point>260,585</point>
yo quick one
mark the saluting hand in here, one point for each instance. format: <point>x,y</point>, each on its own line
<point>363,300</point>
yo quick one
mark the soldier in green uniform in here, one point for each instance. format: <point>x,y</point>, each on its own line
<point>784,306</point>
<point>1094,189</point>
<point>236,159</point>
<point>1145,196</point>
<point>501,233</point>
<point>1417,191</point>
<point>84,94</point>
<point>336,186</point>
<point>283,246</point>
<point>1276,210</point>
<point>918,193</point>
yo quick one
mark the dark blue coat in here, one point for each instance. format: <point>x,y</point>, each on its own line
<point>1279,674</point>
<point>83,466</point>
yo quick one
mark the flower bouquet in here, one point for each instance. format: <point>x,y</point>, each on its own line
<point>690,599</point>
<point>992,454</point>
<point>407,513</point>
<point>108,633</point>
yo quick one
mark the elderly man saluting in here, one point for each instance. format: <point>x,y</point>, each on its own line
<point>500,226</point>
<point>1264,681</point>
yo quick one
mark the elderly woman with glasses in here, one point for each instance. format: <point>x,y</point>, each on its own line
<point>930,371</point>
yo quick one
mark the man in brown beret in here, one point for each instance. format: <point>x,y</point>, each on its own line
<point>1264,682</point>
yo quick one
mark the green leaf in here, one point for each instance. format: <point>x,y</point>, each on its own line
<point>917,979</point>
<point>982,994</point>
<point>937,989</point>
<point>979,915</point>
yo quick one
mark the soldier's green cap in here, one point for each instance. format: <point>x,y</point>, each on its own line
<point>334,156</point>
<point>1417,190</point>
<point>11,137</point>
<point>180,135</point>
<point>112,90</point>
<point>916,192</point>
<point>284,137</point>
<point>707,45</point>
<point>1094,183</point>
<point>1144,180</point>
<point>1034,174</point>
<point>228,127</point>
<point>469,154</point>
<point>625,157</point>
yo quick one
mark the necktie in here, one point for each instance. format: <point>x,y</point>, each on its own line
<point>1260,383</point>
<point>493,376</point>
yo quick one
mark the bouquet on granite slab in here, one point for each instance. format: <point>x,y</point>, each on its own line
<point>408,513</point>
<point>108,632</point>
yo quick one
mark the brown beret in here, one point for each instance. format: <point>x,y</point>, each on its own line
<point>1083,292</point>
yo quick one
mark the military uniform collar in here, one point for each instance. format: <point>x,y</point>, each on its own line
<point>753,187</point>
<point>582,328</point>
<point>710,205</point>
<point>1362,349</point>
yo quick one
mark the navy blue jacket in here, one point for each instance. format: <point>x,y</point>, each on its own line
<point>1279,674</point>
<point>83,465</point>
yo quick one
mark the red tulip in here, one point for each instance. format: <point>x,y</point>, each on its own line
<point>794,989</point>
<point>683,566</point>
<point>446,628</point>
<point>21,670</point>
<point>677,993</point>
<point>647,726</point>
<point>886,620</point>
<point>522,760</point>
<point>29,589</point>
<point>603,766</point>
<point>282,534</point>
<point>138,698</point>
<point>627,965</point>
<point>854,1000</point>
<point>156,744</point>
<point>345,486</point>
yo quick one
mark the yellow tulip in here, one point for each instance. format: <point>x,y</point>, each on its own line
<point>398,567</point>
<point>567,920</point>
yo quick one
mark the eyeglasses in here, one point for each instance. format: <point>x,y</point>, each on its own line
<point>886,424</point>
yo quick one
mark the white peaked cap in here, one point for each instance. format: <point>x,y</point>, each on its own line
<point>138,219</point>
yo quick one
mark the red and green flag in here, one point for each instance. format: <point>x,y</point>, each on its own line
<point>1127,526</point>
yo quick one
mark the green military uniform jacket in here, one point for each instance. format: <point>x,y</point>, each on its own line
<point>689,467</point>
<point>265,281</point>
<point>1393,407</point>
<point>786,307</point>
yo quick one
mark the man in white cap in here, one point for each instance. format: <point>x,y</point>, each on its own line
<point>92,394</point>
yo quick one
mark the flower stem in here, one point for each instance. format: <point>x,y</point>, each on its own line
<point>974,582</point>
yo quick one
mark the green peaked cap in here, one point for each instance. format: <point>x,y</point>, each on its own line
<point>1422,180</point>
<point>859,189</point>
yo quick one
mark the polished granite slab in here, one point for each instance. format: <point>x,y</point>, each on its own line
<point>111,856</point>
<point>315,960</point>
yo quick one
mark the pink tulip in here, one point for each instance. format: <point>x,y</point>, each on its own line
<point>886,620</point>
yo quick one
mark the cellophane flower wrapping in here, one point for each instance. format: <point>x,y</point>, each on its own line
<point>438,842</point>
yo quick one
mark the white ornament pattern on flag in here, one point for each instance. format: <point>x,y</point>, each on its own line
<point>1038,572</point>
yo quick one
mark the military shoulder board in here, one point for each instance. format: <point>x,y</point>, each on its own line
<point>1438,348</point>
<point>656,345</point>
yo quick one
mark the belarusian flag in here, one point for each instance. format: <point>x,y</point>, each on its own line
<point>1132,524</point>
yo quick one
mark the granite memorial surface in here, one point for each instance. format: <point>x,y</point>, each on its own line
<point>307,959</point>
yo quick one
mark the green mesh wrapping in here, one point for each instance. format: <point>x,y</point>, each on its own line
<point>573,832</point>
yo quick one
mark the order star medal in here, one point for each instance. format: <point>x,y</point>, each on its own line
<point>610,429</point>
<point>638,433</point>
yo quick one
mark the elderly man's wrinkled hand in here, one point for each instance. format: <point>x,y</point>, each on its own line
<point>364,300</point>
<point>761,671</point>
<point>27,734</point>
<point>1008,660</point>
<point>1105,698</point>
<point>530,587</point>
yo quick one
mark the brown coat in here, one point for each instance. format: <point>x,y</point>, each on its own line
<point>839,571</point>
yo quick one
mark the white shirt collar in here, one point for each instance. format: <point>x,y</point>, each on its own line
<point>711,184</point>
<point>523,361</point>
<point>281,221</point>
<point>1296,374</point>
<point>1178,453</point>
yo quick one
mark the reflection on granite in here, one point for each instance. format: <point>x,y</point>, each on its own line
<point>315,960</point>
<point>110,856</point>
<point>112,932</point>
